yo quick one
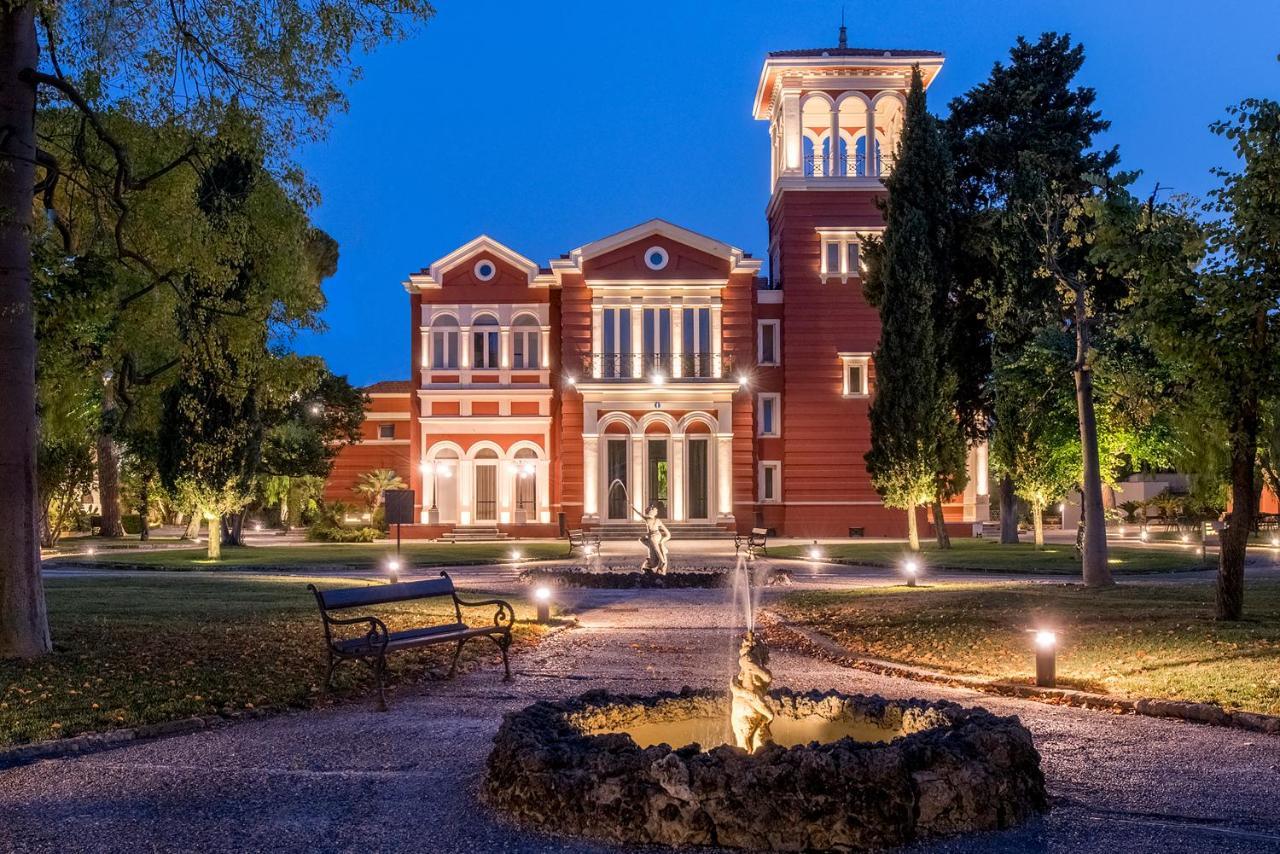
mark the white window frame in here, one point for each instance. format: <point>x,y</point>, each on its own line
<point>848,360</point>
<point>777,414</point>
<point>776,467</point>
<point>777,342</point>
<point>490,350</point>
<point>843,238</point>
<point>530,340</point>
<point>382,427</point>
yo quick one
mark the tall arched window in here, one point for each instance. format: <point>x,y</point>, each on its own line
<point>484,340</point>
<point>527,483</point>
<point>444,343</point>
<point>526,343</point>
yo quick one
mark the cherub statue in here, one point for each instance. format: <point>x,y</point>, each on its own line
<point>655,538</point>
<point>750,714</point>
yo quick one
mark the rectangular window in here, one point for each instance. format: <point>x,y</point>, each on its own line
<point>769,416</point>
<point>833,259</point>
<point>386,431</point>
<point>444,350</point>
<point>852,267</point>
<point>770,482</point>
<point>841,256</point>
<point>854,367</point>
<point>657,339</point>
<point>526,346</point>
<point>485,349</point>
<point>616,361</point>
<point>695,334</point>
<point>768,351</point>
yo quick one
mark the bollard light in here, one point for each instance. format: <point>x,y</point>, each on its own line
<point>1046,658</point>
<point>91,551</point>
<point>815,553</point>
<point>1121,530</point>
<point>257,526</point>
<point>516,554</point>
<point>1275,542</point>
<point>1143,535</point>
<point>911,568</point>
<point>393,569</point>
<point>542,596</point>
<point>1186,538</point>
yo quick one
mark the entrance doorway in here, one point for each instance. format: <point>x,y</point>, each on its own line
<point>698,478</point>
<point>487,486</point>
<point>616,470</point>
<point>659,477</point>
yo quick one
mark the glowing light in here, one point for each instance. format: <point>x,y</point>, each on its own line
<point>91,551</point>
<point>743,382</point>
<point>1046,639</point>
<point>1186,538</point>
<point>1275,541</point>
<point>516,554</point>
<point>1143,536</point>
<point>526,469</point>
<point>1122,530</point>
<point>589,550</point>
<point>659,379</point>
<point>393,565</point>
<point>571,380</point>
<point>815,553</point>
<point>911,567</point>
<point>257,526</point>
<point>542,594</point>
<point>316,409</point>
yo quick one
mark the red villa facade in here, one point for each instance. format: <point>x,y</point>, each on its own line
<point>662,359</point>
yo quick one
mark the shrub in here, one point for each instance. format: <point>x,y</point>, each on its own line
<point>132,523</point>
<point>324,532</point>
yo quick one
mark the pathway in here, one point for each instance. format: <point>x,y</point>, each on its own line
<point>349,778</point>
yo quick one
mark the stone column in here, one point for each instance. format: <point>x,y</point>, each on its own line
<point>597,337</point>
<point>591,477</point>
<point>639,487</point>
<point>724,476</point>
<point>835,166</point>
<point>716,345</point>
<point>792,141</point>
<point>637,336</point>
<point>676,480</point>
<point>466,490</point>
<point>542,471</point>
<point>507,474</point>
<point>677,336</point>
<point>871,170</point>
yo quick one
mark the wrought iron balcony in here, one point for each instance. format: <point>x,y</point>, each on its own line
<point>849,166</point>
<point>644,367</point>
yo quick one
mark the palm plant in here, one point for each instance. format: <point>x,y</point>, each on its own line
<point>373,485</point>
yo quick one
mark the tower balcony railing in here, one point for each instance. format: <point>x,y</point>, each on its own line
<point>849,166</point>
<point>646,367</point>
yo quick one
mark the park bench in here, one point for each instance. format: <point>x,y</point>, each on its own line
<point>373,645</point>
<point>579,540</point>
<point>755,543</point>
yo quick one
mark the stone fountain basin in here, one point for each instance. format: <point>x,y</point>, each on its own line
<point>846,772</point>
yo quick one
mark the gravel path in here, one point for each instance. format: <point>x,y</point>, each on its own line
<point>349,778</point>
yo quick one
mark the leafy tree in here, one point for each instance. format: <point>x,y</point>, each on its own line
<point>185,67</point>
<point>1025,127</point>
<point>373,485</point>
<point>1207,294</point>
<point>917,443</point>
<point>66,474</point>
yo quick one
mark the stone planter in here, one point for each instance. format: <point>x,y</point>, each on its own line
<point>937,769</point>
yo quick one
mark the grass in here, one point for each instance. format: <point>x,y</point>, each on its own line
<point>145,649</point>
<point>347,555</point>
<point>1053,559</point>
<point>1133,640</point>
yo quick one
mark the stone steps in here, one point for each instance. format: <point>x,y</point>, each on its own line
<point>474,534</point>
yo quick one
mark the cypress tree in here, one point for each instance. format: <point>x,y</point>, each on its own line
<point>917,450</point>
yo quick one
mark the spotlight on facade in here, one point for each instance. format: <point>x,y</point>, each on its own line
<point>542,596</point>
<point>570,380</point>
<point>1046,658</point>
<point>526,470</point>
<point>911,568</point>
<point>743,382</point>
<point>659,379</point>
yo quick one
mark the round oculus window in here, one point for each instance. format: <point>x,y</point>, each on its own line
<point>485,270</point>
<point>655,257</point>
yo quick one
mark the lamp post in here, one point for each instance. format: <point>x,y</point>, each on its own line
<point>911,568</point>
<point>1046,658</point>
<point>542,596</point>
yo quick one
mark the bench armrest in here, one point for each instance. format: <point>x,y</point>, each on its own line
<point>505,617</point>
<point>377,636</point>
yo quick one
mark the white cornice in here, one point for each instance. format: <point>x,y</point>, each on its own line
<point>808,67</point>
<point>433,276</point>
<point>738,262</point>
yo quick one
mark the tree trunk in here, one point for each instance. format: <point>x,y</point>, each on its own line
<point>24,623</point>
<point>193,526</point>
<point>215,538</point>
<point>144,509</point>
<point>109,485</point>
<point>1096,570</point>
<point>940,526</point>
<point>1008,512</point>
<point>233,528</point>
<point>913,533</point>
<point>1037,520</point>
<point>1235,539</point>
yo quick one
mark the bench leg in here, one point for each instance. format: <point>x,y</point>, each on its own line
<point>453,665</point>
<point>328,677</point>
<point>503,644</point>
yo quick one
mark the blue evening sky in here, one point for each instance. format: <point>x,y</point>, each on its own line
<point>548,125</point>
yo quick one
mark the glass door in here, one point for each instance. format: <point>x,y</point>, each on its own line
<point>486,492</point>
<point>698,478</point>
<point>616,470</point>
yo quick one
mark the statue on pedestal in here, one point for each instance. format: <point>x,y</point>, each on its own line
<point>750,714</point>
<point>655,539</point>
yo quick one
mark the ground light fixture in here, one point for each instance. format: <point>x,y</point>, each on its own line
<point>815,553</point>
<point>393,569</point>
<point>1275,542</point>
<point>1143,535</point>
<point>659,379</point>
<point>516,554</point>
<point>1186,538</point>
<point>911,569</point>
<point>1046,642</point>
<point>542,596</point>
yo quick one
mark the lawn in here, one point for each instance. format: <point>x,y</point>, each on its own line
<point>346,555</point>
<point>1053,559</point>
<point>1132,640</point>
<point>145,649</point>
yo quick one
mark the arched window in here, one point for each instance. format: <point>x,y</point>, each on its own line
<point>444,343</point>
<point>526,343</point>
<point>484,338</point>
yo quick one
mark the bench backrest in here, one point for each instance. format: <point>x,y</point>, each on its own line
<point>382,594</point>
<point>759,533</point>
